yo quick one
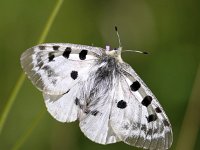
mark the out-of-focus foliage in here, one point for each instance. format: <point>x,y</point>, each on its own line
<point>168,29</point>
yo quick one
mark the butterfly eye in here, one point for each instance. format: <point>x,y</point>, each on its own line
<point>115,49</point>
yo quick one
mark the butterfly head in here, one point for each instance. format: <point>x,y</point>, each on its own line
<point>116,52</point>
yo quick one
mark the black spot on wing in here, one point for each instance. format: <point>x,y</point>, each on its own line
<point>74,75</point>
<point>67,52</point>
<point>135,86</point>
<point>41,47</point>
<point>82,54</point>
<point>121,104</point>
<point>56,47</point>
<point>151,118</point>
<point>94,112</point>
<point>158,110</point>
<point>146,101</point>
<point>77,101</point>
<point>166,123</point>
<point>51,56</point>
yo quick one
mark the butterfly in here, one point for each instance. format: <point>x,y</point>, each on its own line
<point>95,86</point>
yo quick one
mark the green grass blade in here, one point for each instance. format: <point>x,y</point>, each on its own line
<point>190,126</point>
<point>10,101</point>
<point>50,21</point>
<point>20,81</point>
<point>28,132</point>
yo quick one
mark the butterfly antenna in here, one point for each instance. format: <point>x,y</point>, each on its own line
<point>118,36</point>
<point>136,51</point>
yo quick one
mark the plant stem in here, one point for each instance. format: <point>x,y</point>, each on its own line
<point>20,81</point>
<point>191,122</point>
<point>10,101</point>
<point>28,132</point>
<point>50,21</point>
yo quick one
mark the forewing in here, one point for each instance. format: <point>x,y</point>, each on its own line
<point>55,68</point>
<point>137,117</point>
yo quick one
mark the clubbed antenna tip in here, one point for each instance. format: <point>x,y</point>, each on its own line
<point>145,53</point>
<point>115,28</point>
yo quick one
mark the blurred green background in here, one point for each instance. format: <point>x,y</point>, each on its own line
<point>168,29</point>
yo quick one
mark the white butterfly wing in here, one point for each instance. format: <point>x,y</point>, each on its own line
<point>137,118</point>
<point>64,107</point>
<point>96,125</point>
<point>54,68</point>
<point>59,70</point>
<point>95,118</point>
